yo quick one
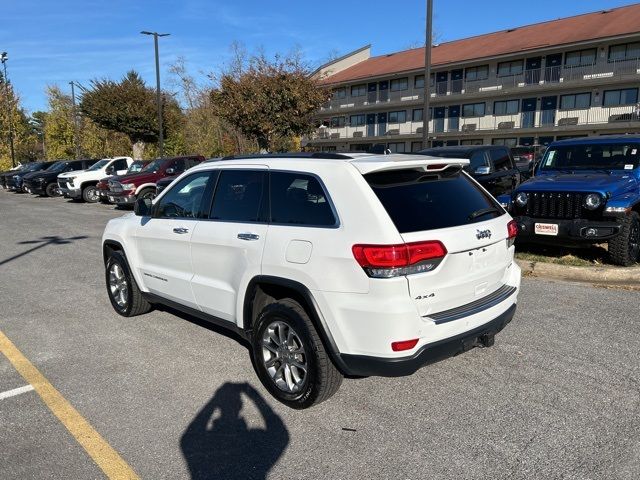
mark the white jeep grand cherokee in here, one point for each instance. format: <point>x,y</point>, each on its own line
<point>327,264</point>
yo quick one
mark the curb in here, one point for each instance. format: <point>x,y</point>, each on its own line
<point>599,275</point>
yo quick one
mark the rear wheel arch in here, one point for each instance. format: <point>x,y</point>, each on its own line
<point>264,289</point>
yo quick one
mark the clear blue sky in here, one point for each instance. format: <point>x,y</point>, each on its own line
<point>54,42</point>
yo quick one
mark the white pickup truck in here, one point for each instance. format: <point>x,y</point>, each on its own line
<point>82,183</point>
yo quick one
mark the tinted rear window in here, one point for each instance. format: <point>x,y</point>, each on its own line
<point>299,199</point>
<point>416,201</point>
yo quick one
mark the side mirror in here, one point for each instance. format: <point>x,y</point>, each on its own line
<point>170,171</point>
<point>110,170</point>
<point>482,171</point>
<point>142,207</point>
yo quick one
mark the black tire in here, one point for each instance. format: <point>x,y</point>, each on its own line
<point>51,190</point>
<point>322,378</point>
<point>149,193</point>
<point>135,303</point>
<point>90,194</point>
<point>625,248</point>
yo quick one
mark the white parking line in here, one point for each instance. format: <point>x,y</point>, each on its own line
<point>15,391</point>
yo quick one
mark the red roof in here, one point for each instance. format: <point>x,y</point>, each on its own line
<point>589,26</point>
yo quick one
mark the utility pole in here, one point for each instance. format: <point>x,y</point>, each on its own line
<point>3,58</point>
<point>427,74</point>
<point>76,142</point>
<point>158,93</point>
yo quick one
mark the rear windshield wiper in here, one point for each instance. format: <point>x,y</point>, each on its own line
<point>482,212</point>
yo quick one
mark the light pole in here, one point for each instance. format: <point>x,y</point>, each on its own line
<point>75,121</point>
<point>3,58</point>
<point>427,75</point>
<point>158,94</point>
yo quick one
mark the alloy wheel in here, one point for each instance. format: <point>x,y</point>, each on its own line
<point>118,287</point>
<point>284,357</point>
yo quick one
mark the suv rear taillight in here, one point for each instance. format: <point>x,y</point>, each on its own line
<point>512,232</point>
<point>387,261</point>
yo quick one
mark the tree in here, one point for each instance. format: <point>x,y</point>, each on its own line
<point>202,131</point>
<point>270,101</point>
<point>24,139</point>
<point>128,107</point>
<point>58,125</point>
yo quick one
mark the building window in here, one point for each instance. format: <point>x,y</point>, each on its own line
<point>627,96</point>
<point>358,90</point>
<point>328,148</point>
<point>418,81</point>
<point>627,51</point>
<point>473,110</point>
<point>578,100</point>
<point>398,117</point>
<point>398,147</point>
<point>416,115</point>
<point>337,122</point>
<point>507,107</point>
<point>507,142</point>
<point>398,84</point>
<point>476,73</point>
<point>416,146</point>
<point>357,120</point>
<point>580,58</point>
<point>340,92</point>
<point>474,141</point>
<point>506,69</point>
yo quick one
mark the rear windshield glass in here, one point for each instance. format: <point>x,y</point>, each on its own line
<point>417,201</point>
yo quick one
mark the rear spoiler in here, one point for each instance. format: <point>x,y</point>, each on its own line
<point>402,162</point>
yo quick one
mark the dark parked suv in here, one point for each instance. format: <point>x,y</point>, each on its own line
<point>45,182</point>
<point>14,181</point>
<point>491,165</point>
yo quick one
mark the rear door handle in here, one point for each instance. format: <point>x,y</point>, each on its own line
<point>248,236</point>
<point>180,230</point>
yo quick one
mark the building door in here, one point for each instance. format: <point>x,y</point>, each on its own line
<point>528,112</point>
<point>442,83</point>
<point>371,125</point>
<point>372,92</point>
<point>382,123</point>
<point>548,106</point>
<point>438,119</point>
<point>532,70</point>
<point>553,68</point>
<point>456,80</point>
<point>383,88</point>
<point>454,118</point>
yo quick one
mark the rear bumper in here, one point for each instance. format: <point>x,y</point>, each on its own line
<point>362,365</point>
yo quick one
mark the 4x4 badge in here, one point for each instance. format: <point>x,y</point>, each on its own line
<point>480,234</point>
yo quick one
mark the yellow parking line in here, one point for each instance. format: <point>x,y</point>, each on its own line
<point>111,463</point>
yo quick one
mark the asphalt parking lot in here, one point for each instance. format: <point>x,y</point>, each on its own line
<point>557,396</point>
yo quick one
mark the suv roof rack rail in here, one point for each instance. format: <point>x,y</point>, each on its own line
<point>323,155</point>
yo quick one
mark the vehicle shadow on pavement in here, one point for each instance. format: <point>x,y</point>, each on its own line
<point>42,242</point>
<point>218,443</point>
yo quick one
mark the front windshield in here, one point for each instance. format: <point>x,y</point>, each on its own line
<point>33,166</point>
<point>57,167</point>
<point>600,156</point>
<point>135,167</point>
<point>98,165</point>
<point>53,166</point>
<point>153,167</point>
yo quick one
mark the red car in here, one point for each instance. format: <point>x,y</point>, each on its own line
<point>103,185</point>
<point>127,188</point>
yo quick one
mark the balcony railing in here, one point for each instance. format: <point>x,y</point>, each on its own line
<point>554,119</point>
<point>621,69</point>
